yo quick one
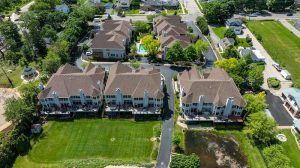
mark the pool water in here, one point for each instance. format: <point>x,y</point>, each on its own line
<point>140,49</point>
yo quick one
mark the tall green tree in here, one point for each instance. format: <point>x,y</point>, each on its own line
<point>255,76</point>
<point>151,45</point>
<point>202,24</point>
<point>218,11</point>
<point>275,157</point>
<point>255,103</point>
<point>201,47</point>
<point>176,53</point>
<point>261,128</point>
<point>141,26</point>
<point>230,52</point>
<point>16,110</point>
<point>10,32</point>
<point>279,5</point>
<point>191,53</point>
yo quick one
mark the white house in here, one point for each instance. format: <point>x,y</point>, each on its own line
<point>62,8</point>
<point>255,54</point>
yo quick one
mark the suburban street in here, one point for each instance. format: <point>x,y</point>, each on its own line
<point>277,110</point>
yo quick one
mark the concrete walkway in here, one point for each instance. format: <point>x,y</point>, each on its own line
<point>290,27</point>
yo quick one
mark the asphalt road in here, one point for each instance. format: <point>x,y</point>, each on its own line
<point>209,55</point>
<point>279,113</point>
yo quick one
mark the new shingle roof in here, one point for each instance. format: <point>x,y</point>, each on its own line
<point>171,29</point>
<point>133,83</point>
<point>68,80</point>
<point>217,87</point>
<point>115,33</point>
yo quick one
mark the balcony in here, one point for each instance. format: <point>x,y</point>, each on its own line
<point>68,110</point>
<point>133,110</point>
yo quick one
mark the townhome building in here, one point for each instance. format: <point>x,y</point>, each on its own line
<point>150,5</point>
<point>71,90</point>
<point>291,100</point>
<point>170,29</point>
<point>111,41</point>
<point>134,92</point>
<point>211,96</point>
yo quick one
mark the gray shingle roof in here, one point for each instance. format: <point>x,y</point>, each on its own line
<point>69,79</point>
<point>133,83</point>
<point>216,87</point>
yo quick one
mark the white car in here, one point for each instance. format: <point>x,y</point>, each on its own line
<point>277,66</point>
<point>89,53</point>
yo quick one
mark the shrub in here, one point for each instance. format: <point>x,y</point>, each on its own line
<point>175,77</point>
<point>202,24</point>
<point>259,37</point>
<point>184,161</point>
<point>273,83</point>
<point>229,33</point>
<point>275,157</point>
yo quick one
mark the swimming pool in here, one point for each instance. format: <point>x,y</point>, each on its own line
<point>140,49</point>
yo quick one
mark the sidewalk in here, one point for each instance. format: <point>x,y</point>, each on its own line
<point>290,27</point>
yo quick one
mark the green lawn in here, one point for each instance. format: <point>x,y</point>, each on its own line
<point>281,44</point>
<point>14,73</point>
<point>83,140</point>
<point>291,149</point>
<point>220,31</point>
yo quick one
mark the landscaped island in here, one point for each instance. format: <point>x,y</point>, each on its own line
<point>94,142</point>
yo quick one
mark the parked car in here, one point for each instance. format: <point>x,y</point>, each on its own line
<point>89,53</point>
<point>242,14</point>
<point>289,14</point>
<point>252,15</point>
<point>277,67</point>
<point>157,11</point>
<point>142,12</point>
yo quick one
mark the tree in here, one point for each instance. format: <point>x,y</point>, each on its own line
<point>191,53</point>
<point>10,32</point>
<point>229,33</point>
<point>230,52</point>
<point>22,144</point>
<point>135,64</point>
<point>175,53</point>
<point>255,103</point>
<point>229,65</point>
<point>16,110</point>
<point>29,93</point>
<point>279,5</point>
<point>50,64</point>
<point>218,11</point>
<point>60,49</point>
<point>151,45</point>
<point>275,157</point>
<point>201,47</point>
<point>260,128</point>
<point>255,76</point>
<point>202,24</point>
<point>141,26</point>
<point>49,32</point>
<point>151,17</point>
<point>184,161</point>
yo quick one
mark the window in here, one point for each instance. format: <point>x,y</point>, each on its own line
<point>195,104</point>
<point>150,98</point>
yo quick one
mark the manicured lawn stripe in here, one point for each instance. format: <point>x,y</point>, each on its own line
<point>291,149</point>
<point>281,44</point>
<point>92,138</point>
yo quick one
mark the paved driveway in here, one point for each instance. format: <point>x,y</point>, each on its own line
<point>279,113</point>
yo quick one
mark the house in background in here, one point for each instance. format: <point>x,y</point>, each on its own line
<point>112,40</point>
<point>255,54</point>
<point>211,96</point>
<point>170,29</point>
<point>123,4</point>
<point>95,2</point>
<point>236,25</point>
<point>134,92</point>
<point>291,97</point>
<point>225,43</point>
<point>71,90</point>
<point>62,8</point>
<point>151,5</point>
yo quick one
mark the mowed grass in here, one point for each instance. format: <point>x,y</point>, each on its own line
<point>291,149</point>
<point>14,74</point>
<point>281,44</point>
<point>91,138</point>
<point>220,31</point>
